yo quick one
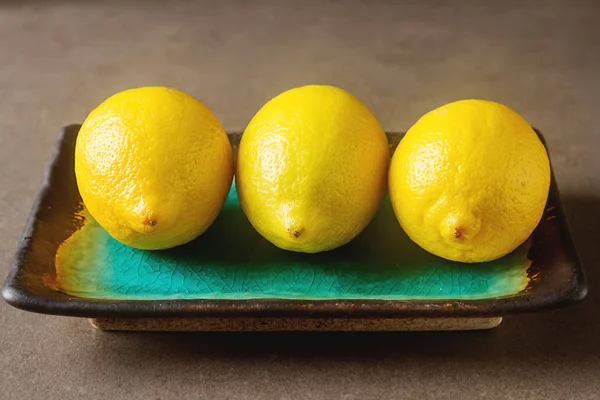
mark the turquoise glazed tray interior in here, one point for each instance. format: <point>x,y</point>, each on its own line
<point>67,264</point>
<point>231,261</point>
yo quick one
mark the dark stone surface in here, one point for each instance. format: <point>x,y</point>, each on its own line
<point>59,59</point>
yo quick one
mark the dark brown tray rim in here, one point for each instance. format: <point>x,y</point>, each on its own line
<point>57,303</point>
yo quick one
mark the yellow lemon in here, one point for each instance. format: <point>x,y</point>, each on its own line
<point>153,167</point>
<point>469,181</point>
<point>311,168</point>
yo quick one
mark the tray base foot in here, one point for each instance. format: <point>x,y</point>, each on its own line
<point>295,324</point>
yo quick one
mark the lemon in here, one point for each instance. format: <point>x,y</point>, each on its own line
<point>469,181</point>
<point>311,168</point>
<point>153,167</point>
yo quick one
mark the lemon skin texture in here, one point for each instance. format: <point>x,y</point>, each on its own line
<point>153,167</point>
<point>469,181</point>
<point>312,168</point>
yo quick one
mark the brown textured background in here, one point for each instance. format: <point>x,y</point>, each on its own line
<point>59,59</point>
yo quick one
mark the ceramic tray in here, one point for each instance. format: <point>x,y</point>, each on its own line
<point>66,264</point>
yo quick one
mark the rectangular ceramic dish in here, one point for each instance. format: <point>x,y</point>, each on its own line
<point>66,264</point>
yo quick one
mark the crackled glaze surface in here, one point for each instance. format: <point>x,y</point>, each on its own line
<point>231,261</point>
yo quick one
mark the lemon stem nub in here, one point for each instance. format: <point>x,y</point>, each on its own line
<point>460,226</point>
<point>457,232</point>
<point>150,222</point>
<point>295,232</point>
